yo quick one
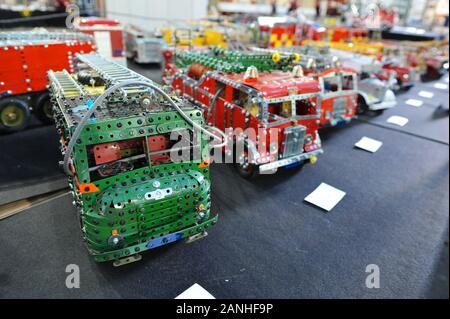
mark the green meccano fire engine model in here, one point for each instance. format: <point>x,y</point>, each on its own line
<point>115,127</point>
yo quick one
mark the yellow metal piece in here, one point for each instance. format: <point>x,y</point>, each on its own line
<point>313,159</point>
<point>202,38</point>
<point>26,12</point>
<point>95,90</point>
<point>214,38</point>
<point>276,57</point>
<point>286,109</point>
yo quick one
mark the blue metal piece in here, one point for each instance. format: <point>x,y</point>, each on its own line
<point>293,165</point>
<point>164,240</point>
<point>89,105</point>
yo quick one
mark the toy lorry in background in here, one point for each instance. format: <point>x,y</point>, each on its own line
<point>142,46</point>
<point>242,91</point>
<point>26,57</point>
<point>115,128</point>
<point>339,85</point>
<point>373,94</point>
<point>108,34</point>
<point>405,76</point>
<point>429,59</point>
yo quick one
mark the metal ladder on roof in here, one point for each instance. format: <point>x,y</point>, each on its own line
<point>114,73</point>
<point>65,85</point>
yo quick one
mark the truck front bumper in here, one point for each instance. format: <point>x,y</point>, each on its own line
<point>389,101</point>
<point>382,105</point>
<point>288,161</point>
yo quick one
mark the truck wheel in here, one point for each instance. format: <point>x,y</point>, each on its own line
<point>43,109</point>
<point>398,87</point>
<point>247,171</point>
<point>14,115</point>
<point>362,107</point>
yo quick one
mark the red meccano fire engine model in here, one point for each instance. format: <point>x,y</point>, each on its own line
<point>236,91</point>
<point>339,100</point>
<point>26,57</point>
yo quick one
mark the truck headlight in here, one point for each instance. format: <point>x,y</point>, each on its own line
<point>308,139</point>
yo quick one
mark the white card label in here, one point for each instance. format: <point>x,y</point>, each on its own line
<point>414,102</point>
<point>195,292</point>
<point>369,144</point>
<point>398,120</point>
<point>325,197</point>
<point>426,94</point>
<point>441,86</point>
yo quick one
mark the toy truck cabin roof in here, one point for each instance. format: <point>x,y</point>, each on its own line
<point>277,83</point>
<point>341,70</point>
<point>69,88</point>
<point>95,22</point>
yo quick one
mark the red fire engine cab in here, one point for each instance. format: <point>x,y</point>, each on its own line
<point>339,95</point>
<point>26,57</point>
<point>236,92</point>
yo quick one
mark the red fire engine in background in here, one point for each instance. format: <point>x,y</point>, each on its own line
<point>244,91</point>
<point>26,57</point>
<point>108,35</point>
<point>339,96</point>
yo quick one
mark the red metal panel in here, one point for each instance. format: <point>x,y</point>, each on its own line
<point>12,74</point>
<point>108,152</point>
<point>158,143</point>
<point>24,69</point>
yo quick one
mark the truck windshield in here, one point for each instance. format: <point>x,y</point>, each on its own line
<point>291,107</point>
<point>243,100</point>
<point>109,159</point>
<point>341,82</point>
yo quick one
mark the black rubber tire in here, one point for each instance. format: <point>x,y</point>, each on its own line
<point>406,88</point>
<point>22,109</point>
<point>362,107</point>
<point>249,173</point>
<point>42,107</point>
<point>399,83</point>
